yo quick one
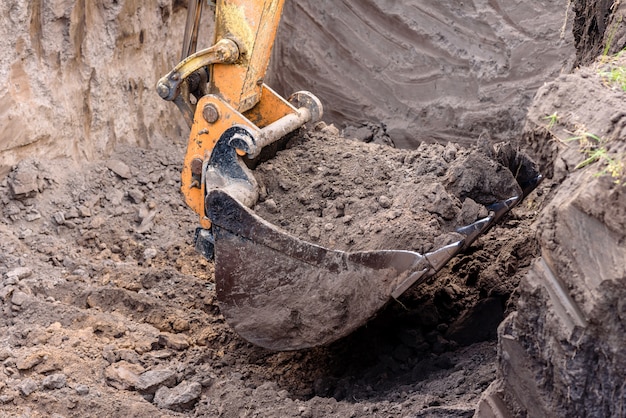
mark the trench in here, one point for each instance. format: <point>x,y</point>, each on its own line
<point>426,74</point>
<point>410,75</point>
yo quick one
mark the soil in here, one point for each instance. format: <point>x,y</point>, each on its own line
<point>569,323</point>
<point>356,196</point>
<point>435,71</point>
<point>105,302</point>
<point>107,310</point>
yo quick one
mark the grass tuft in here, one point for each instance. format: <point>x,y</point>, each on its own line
<point>594,148</point>
<point>552,120</point>
<point>612,73</point>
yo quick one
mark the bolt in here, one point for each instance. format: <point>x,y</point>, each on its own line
<point>163,90</point>
<point>196,167</point>
<point>210,113</point>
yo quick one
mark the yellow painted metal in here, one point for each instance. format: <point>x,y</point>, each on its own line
<point>204,135</point>
<point>270,108</point>
<point>235,89</point>
<point>202,140</point>
<point>252,25</point>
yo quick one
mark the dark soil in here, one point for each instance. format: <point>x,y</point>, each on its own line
<point>354,196</point>
<point>106,310</point>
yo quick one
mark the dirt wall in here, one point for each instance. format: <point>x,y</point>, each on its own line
<point>77,76</point>
<point>561,353</point>
<point>434,70</point>
<point>599,29</point>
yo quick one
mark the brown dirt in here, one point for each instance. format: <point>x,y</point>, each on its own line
<point>428,70</point>
<point>561,351</point>
<point>108,311</point>
<point>355,196</point>
<point>99,275</point>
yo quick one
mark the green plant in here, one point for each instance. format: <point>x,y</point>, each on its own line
<point>615,76</point>
<point>612,30</point>
<point>552,120</point>
<point>595,150</point>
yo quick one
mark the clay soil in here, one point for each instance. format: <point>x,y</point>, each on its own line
<point>355,196</point>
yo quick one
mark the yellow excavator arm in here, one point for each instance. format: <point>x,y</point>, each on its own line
<point>222,87</point>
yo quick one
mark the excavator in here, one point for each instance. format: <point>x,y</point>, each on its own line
<point>275,290</point>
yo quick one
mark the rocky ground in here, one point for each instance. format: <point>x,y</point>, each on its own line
<point>107,307</point>
<point>107,310</point>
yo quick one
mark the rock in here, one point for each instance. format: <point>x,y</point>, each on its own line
<point>180,324</point>
<point>109,355</point>
<point>174,341</point>
<point>33,216</point>
<point>119,168</point>
<point>151,380</point>
<point>449,153</point>
<point>19,298</point>
<point>27,386</point>
<point>6,291</point>
<point>384,202</point>
<point>271,206</point>
<point>84,211</point>
<point>54,381</point>
<point>20,273</point>
<point>72,214</point>
<point>97,222</point>
<point>471,211</point>
<point>144,344</point>
<point>161,354</point>
<point>30,361</point>
<point>183,396</point>
<point>314,232</point>
<point>12,210</point>
<point>109,328</point>
<point>4,354</point>
<point>115,196</point>
<point>23,181</point>
<point>123,375</point>
<point>7,397</point>
<point>136,195</point>
<point>330,129</point>
<point>82,390</point>
<point>59,218</point>
<point>147,217</point>
<point>149,253</point>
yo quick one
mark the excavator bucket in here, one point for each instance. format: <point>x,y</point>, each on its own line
<point>282,293</point>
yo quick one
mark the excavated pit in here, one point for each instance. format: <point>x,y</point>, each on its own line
<point>100,277</point>
<point>106,308</point>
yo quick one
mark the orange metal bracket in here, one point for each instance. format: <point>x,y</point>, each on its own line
<point>235,94</point>
<point>205,133</point>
